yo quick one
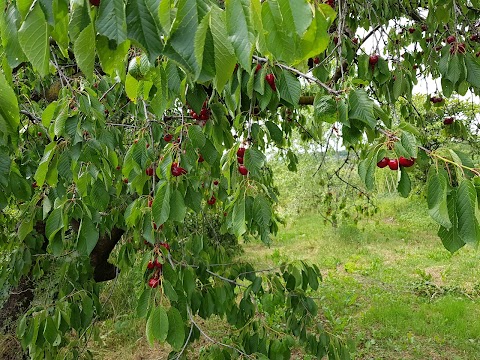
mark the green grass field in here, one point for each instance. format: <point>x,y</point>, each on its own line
<point>389,288</point>
<point>389,285</point>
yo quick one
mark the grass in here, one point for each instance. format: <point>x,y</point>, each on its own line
<point>388,283</point>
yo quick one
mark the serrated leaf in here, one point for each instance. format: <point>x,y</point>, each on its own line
<point>54,223</point>
<point>111,21</point>
<point>33,37</point>
<point>85,52</point>
<point>176,333</point>
<point>275,132</point>
<point>240,31</point>
<point>466,207</point>
<point>161,204</point>
<point>224,54</point>
<point>404,185</point>
<point>325,108</point>
<point>437,184</point>
<point>143,303</point>
<point>42,168</point>
<point>9,24</point>
<point>238,218</point>
<point>50,330</point>
<point>454,69</point>
<point>450,237</point>
<point>473,70</point>
<point>361,108</point>
<point>254,161</point>
<point>177,207</point>
<point>141,26</point>
<point>289,87</point>
<point>409,143</point>
<point>262,212</point>
<point>197,136</point>
<point>87,236</point>
<point>9,111</point>
<point>157,325</point>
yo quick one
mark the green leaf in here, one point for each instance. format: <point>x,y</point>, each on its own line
<point>238,218</point>
<point>366,170</point>
<point>279,41</point>
<point>316,38</point>
<point>466,207</point>
<point>54,223</point>
<point>161,204</point>
<point>9,24</point>
<point>157,325</point>
<point>34,40</point>
<point>409,143</point>
<point>473,70</point>
<point>142,27</point>
<point>42,168</point>
<point>361,107</point>
<point>325,108</point>
<point>404,185</point>
<point>50,330</point>
<point>224,54</point>
<point>298,13</point>
<point>143,303</point>
<point>180,47</point>
<point>240,31</point>
<point>289,87</point>
<point>262,212</point>
<point>275,132</point>
<point>111,21</point>
<point>454,69</point>
<point>9,111</point>
<point>450,237</point>
<point>177,207</point>
<point>437,184</point>
<point>254,161</point>
<point>176,333</point>
<point>87,236</point>
<point>85,52</point>
<point>197,136</point>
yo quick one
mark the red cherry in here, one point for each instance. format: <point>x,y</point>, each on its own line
<point>200,158</point>
<point>177,170</point>
<point>149,171</point>
<point>384,162</point>
<point>270,78</point>
<point>34,184</point>
<point>215,182</point>
<point>257,69</point>
<point>95,2</point>
<point>373,60</point>
<point>406,162</point>
<point>225,213</point>
<point>448,120</point>
<point>451,39</point>
<point>474,37</point>
<point>316,60</point>
<point>393,164</point>
<point>148,145</point>
<point>165,245</point>
<point>167,137</point>
<point>150,265</point>
<point>157,264</point>
<point>424,27</point>
<point>335,40</point>
<point>212,200</point>
<point>204,114</point>
<point>241,152</point>
<point>355,41</point>
<point>39,133</point>
<point>118,167</point>
<point>411,30</point>
<point>240,160</point>
<point>150,203</point>
<point>243,170</point>
<point>153,282</point>
<point>125,181</point>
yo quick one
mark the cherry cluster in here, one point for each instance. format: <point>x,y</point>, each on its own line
<point>394,163</point>
<point>177,170</point>
<point>157,268</point>
<point>240,155</point>
<point>203,116</point>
